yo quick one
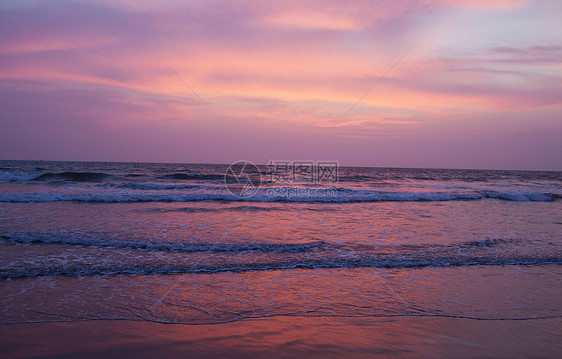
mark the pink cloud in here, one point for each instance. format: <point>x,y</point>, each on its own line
<point>283,70</point>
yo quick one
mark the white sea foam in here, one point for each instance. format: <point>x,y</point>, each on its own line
<point>25,238</point>
<point>347,196</point>
<point>18,176</point>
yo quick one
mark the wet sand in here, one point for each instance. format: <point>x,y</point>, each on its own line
<point>398,337</point>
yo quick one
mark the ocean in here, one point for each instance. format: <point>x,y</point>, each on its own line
<point>176,243</point>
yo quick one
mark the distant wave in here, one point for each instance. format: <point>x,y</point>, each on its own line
<point>347,196</point>
<point>70,176</point>
<point>73,176</point>
<point>18,176</point>
<point>161,247</point>
<point>178,268</point>
<point>148,186</point>
<point>192,177</point>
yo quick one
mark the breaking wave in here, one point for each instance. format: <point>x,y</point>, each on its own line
<point>73,176</point>
<point>347,196</point>
<point>161,247</point>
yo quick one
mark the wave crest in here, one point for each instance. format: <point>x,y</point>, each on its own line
<point>161,247</point>
<point>348,196</point>
<point>73,176</point>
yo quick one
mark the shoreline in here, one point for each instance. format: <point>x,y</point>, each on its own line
<point>286,336</point>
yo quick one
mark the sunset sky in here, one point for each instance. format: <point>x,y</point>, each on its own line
<point>447,84</point>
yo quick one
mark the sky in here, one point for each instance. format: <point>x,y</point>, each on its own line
<point>440,84</point>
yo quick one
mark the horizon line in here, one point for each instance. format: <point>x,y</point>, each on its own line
<point>265,164</point>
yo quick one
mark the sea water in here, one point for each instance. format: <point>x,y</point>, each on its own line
<point>171,243</point>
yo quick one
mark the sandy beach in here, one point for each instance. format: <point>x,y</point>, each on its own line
<point>286,337</point>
